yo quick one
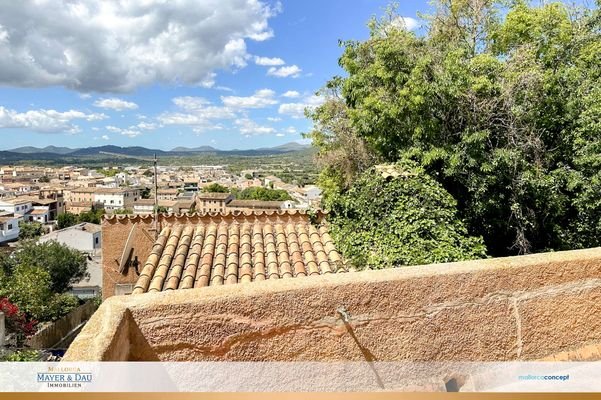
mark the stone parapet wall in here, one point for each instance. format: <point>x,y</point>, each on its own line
<point>515,308</point>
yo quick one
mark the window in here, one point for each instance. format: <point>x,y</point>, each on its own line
<point>96,240</point>
<point>10,226</point>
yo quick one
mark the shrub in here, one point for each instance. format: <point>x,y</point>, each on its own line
<point>398,215</point>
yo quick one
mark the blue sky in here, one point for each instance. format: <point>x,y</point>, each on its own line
<point>225,73</point>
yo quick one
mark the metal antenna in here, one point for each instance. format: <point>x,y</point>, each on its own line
<point>156,199</point>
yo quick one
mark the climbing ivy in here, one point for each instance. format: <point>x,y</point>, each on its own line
<point>398,215</point>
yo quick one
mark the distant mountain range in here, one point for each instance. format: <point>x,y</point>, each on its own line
<point>47,149</point>
<point>56,153</point>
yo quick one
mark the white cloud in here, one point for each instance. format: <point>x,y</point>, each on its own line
<point>274,119</point>
<point>285,72</point>
<point>105,137</point>
<point>131,131</point>
<point>190,103</point>
<point>207,128</point>
<point>116,46</point>
<point>271,62</point>
<point>407,23</point>
<point>195,112</point>
<point>208,81</point>
<point>147,126</point>
<point>297,110</point>
<point>292,94</point>
<point>45,121</point>
<point>249,127</point>
<point>280,134</point>
<point>260,99</point>
<point>291,130</point>
<point>115,104</point>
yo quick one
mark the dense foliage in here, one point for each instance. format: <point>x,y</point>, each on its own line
<point>501,104</point>
<point>398,215</point>
<point>262,193</point>
<point>22,356</point>
<point>30,230</point>
<point>37,276</point>
<point>68,219</point>
<point>215,188</point>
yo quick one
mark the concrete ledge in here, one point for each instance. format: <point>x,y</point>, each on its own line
<point>515,308</point>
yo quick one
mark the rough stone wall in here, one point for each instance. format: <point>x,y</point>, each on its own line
<point>115,232</point>
<point>516,308</point>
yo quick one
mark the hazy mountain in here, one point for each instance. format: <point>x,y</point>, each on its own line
<point>194,149</point>
<point>47,149</point>
<point>292,146</point>
<point>53,153</point>
<point>130,151</point>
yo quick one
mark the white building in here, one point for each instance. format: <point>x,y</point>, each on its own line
<point>38,214</point>
<point>16,205</point>
<point>9,227</point>
<point>85,237</point>
<point>310,192</point>
<point>116,199</point>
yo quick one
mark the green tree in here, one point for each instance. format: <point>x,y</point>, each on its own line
<point>64,265</point>
<point>66,220</point>
<point>395,215</point>
<point>145,192</point>
<point>30,230</point>
<point>123,211</point>
<point>161,209</point>
<point>265,194</point>
<point>93,216</point>
<point>30,288</point>
<point>498,103</point>
<point>215,188</point>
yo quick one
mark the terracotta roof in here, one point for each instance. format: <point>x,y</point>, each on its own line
<point>16,200</point>
<point>7,218</point>
<point>37,212</point>
<point>255,204</point>
<point>213,196</point>
<point>189,256</point>
<point>150,202</point>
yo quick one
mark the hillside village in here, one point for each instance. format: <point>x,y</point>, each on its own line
<point>37,194</point>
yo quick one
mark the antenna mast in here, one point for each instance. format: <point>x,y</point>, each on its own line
<point>156,199</point>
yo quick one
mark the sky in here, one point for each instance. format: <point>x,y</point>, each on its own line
<point>232,74</point>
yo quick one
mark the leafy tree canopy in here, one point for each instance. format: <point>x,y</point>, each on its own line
<point>397,215</point>
<point>265,194</point>
<point>499,103</point>
<point>64,265</point>
<point>215,188</point>
<point>36,277</point>
<point>30,230</point>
